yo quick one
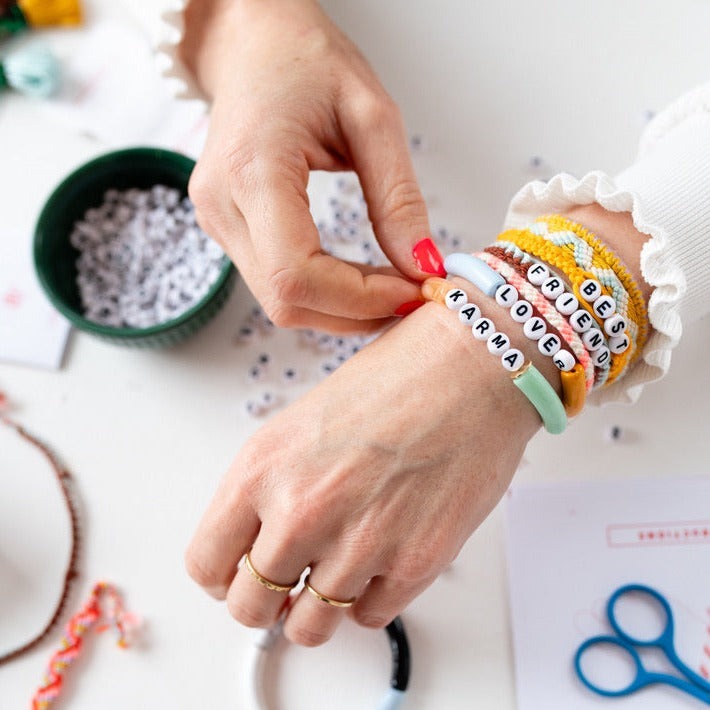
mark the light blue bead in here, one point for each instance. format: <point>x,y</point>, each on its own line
<point>474,270</point>
<point>392,700</point>
<point>33,71</point>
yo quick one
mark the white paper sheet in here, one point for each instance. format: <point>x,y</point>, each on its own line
<point>570,546</point>
<point>112,90</point>
<point>32,332</point>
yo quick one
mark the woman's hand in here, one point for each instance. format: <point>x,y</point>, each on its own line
<point>374,480</point>
<point>292,94</point>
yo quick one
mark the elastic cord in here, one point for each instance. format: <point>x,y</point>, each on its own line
<point>399,678</point>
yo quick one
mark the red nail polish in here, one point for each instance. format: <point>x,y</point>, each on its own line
<point>406,308</point>
<point>427,258</point>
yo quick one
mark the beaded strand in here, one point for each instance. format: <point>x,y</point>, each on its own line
<point>63,478</point>
<point>525,376</point>
<point>514,273</point>
<point>586,287</point>
<point>558,223</point>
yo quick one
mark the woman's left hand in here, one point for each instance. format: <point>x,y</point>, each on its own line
<point>373,480</point>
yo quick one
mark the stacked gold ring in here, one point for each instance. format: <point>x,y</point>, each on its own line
<point>328,600</point>
<point>264,582</point>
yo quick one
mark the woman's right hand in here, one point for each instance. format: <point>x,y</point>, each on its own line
<point>290,94</point>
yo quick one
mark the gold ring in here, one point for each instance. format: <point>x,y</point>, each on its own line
<point>264,582</point>
<point>327,600</point>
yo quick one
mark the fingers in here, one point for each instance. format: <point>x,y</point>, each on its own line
<point>293,275</point>
<point>380,154</point>
<point>259,592</point>
<point>331,589</point>
<point>386,597</point>
<point>226,531</point>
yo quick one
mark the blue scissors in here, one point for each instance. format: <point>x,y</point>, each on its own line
<point>691,682</point>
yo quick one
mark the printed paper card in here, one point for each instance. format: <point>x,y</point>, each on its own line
<point>32,332</point>
<point>570,546</point>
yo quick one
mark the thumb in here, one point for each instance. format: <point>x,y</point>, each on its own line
<point>380,154</point>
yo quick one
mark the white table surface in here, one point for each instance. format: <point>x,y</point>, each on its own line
<point>147,434</point>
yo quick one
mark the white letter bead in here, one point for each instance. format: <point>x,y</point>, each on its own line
<point>498,343</point>
<point>506,295</point>
<point>619,343</point>
<point>534,328</point>
<point>581,321</point>
<point>469,313</point>
<point>593,339</point>
<point>604,306</point>
<point>616,325</point>
<point>567,304</point>
<point>538,273</point>
<point>549,344</point>
<point>512,360</point>
<point>564,360</point>
<point>455,299</point>
<point>590,290</point>
<point>601,357</point>
<point>552,288</point>
<point>482,328</point>
<point>521,311</point>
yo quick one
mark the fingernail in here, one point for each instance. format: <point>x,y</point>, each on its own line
<point>406,308</point>
<point>427,257</point>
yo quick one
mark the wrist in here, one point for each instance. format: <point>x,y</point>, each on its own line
<point>479,374</point>
<point>214,29</point>
<point>208,27</point>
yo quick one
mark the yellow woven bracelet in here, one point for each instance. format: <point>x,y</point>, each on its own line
<point>562,257</point>
<point>558,223</point>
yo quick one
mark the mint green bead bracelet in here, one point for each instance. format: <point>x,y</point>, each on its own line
<point>542,396</point>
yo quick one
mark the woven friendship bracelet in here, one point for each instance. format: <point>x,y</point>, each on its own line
<point>558,223</point>
<point>584,244</point>
<point>77,627</point>
<point>581,280</point>
<point>526,244</point>
<point>515,274</point>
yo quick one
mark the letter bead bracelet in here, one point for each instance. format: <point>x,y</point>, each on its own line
<point>526,377</point>
<point>399,676</point>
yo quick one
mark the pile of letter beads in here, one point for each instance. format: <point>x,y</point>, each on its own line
<point>143,260</point>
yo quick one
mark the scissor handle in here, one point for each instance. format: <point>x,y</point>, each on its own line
<point>664,639</point>
<point>639,680</point>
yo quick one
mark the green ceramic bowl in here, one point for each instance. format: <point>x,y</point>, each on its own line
<point>55,258</point>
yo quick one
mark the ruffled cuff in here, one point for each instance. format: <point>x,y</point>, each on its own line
<point>667,192</point>
<point>181,80</point>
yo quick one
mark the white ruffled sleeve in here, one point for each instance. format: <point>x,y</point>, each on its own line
<point>667,192</point>
<point>171,65</point>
